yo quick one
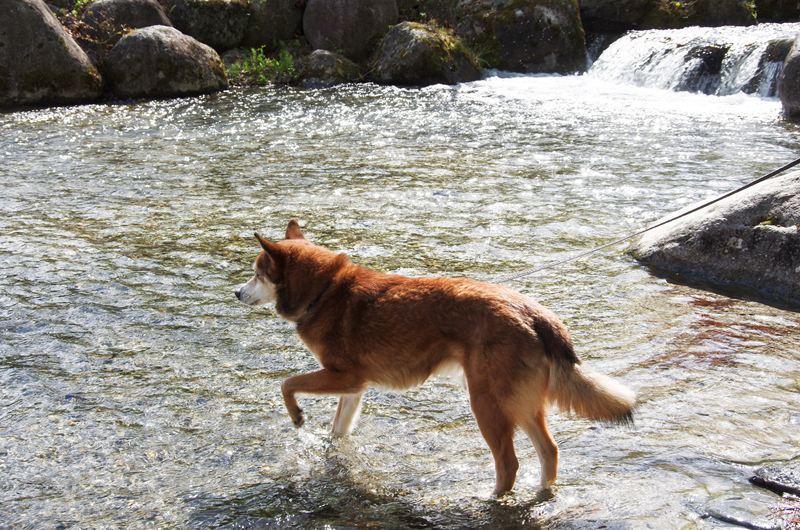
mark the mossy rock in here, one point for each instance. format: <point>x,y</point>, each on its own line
<point>412,53</point>
<point>533,36</point>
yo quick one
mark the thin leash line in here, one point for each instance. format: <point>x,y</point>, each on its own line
<point>557,263</point>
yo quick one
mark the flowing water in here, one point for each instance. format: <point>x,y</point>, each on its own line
<point>720,61</point>
<point>135,391</point>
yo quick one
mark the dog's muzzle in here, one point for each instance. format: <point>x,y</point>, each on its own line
<point>238,293</point>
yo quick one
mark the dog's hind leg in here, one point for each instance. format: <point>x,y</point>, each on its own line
<point>347,414</point>
<point>498,431</point>
<point>545,446</point>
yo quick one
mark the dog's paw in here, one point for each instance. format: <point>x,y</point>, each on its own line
<point>299,419</point>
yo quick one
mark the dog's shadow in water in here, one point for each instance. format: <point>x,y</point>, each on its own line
<point>332,495</point>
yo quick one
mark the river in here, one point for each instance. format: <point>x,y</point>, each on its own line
<point>135,391</point>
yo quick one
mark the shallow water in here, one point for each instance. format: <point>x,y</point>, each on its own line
<point>135,391</point>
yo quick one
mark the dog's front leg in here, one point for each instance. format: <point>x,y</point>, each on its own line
<point>320,382</point>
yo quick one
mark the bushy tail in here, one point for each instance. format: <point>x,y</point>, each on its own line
<point>589,394</point>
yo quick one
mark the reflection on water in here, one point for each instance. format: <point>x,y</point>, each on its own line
<point>135,391</point>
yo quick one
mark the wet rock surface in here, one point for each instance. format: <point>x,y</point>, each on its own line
<point>747,244</point>
<point>780,479</point>
<point>789,83</point>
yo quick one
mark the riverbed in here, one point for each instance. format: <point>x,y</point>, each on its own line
<point>135,391</point>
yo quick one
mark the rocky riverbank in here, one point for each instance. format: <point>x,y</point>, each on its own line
<point>747,244</point>
<point>161,48</point>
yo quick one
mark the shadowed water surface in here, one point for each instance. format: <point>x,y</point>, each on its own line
<point>135,391</point>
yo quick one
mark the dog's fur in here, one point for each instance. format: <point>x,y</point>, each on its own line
<point>369,328</point>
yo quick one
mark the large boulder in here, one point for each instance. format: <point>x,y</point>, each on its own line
<point>348,26</point>
<point>160,61</point>
<point>534,36</point>
<point>781,479</point>
<point>219,23</point>
<point>322,68</point>
<point>710,13</point>
<point>789,83</point>
<point>747,244</point>
<point>105,21</point>
<point>418,54</point>
<point>778,10</point>
<point>272,22</point>
<point>40,63</point>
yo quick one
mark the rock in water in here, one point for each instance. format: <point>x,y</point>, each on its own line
<point>161,61</point>
<point>789,82</point>
<point>40,63</point>
<point>347,26</point>
<point>748,244</point>
<point>780,479</point>
<point>533,36</point>
<point>419,54</point>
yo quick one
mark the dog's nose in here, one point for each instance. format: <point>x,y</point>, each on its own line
<point>238,293</point>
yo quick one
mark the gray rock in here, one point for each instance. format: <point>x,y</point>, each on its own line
<point>160,61</point>
<point>322,68</point>
<point>418,54</point>
<point>535,36</point>
<point>748,244</point>
<point>780,479</point>
<point>219,23</point>
<point>789,83</point>
<point>703,64</point>
<point>348,27</point>
<point>40,63</point>
<point>105,21</point>
<point>273,21</point>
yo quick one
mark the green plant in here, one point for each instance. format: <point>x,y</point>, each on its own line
<point>79,6</point>
<point>258,68</point>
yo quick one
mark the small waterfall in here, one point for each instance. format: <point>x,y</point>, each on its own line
<point>718,61</point>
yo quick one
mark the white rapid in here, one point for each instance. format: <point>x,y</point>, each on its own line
<point>715,61</point>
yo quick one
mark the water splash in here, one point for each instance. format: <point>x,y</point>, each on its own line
<point>717,61</point>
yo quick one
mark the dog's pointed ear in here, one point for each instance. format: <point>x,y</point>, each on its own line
<point>265,243</point>
<point>293,230</point>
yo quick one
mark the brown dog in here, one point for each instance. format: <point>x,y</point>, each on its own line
<point>369,328</point>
